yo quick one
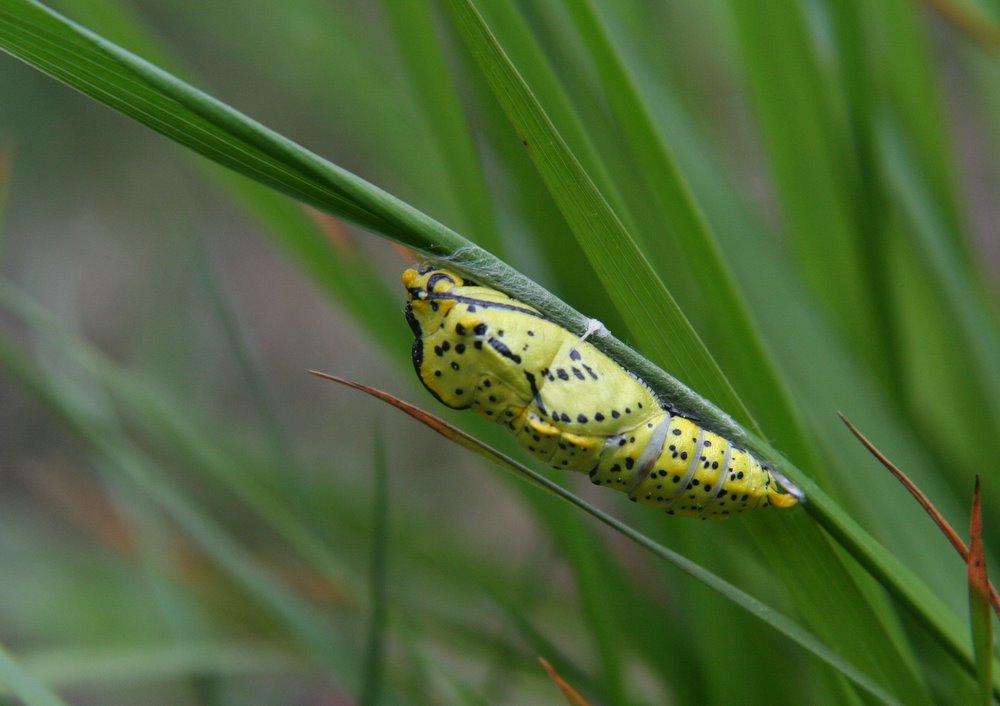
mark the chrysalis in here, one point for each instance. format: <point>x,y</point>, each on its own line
<point>570,405</point>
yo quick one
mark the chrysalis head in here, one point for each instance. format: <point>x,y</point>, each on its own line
<point>424,310</point>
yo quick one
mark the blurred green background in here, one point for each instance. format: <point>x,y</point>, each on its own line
<point>186,517</point>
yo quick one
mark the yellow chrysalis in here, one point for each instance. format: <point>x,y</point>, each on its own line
<point>570,405</point>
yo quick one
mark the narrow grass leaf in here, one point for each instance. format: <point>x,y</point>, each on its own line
<point>810,159</point>
<point>653,317</point>
<point>682,217</point>
<point>778,621</point>
<point>946,529</point>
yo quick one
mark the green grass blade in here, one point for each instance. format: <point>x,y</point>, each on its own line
<point>778,621</point>
<point>117,77</point>
<point>681,215</point>
<point>127,83</point>
<point>654,319</point>
<point>342,272</point>
<point>585,209</point>
<point>22,685</point>
<point>809,154</point>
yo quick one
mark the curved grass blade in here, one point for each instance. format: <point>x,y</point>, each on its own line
<point>653,317</point>
<point>681,215</point>
<point>573,697</point>
<point>949,532</point>
<point>127,83</point>
<point>786,626</point>
<point>596,227</point>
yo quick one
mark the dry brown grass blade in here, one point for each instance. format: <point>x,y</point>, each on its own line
<point>573,697</point>
<point>925,503</point>
<point>979,603</point>
<point>978,580</point>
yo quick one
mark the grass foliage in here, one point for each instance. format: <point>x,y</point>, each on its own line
<point>781,209</point>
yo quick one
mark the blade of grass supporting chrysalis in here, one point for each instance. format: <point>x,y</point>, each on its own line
<point>159,100</point>
<point>778,621</point>
<point>372,676</point>
<point>980,592</point>
<point>125,82</point>
<point>23,686</point>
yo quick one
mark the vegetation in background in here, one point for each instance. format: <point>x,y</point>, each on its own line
<point>780,209</point>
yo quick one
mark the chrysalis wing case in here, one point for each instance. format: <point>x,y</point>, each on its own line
<point>572,406</point>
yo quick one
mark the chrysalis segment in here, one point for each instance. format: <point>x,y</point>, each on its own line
<point>570,405</point>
